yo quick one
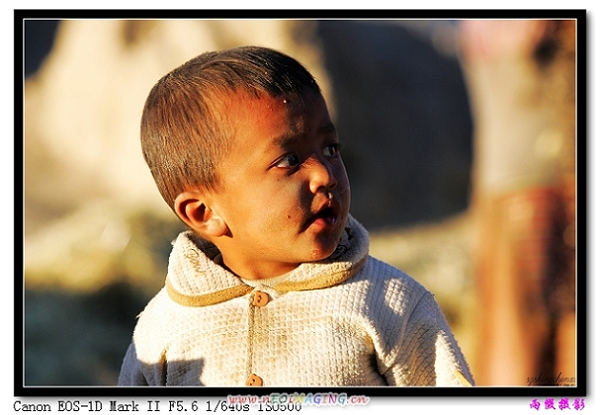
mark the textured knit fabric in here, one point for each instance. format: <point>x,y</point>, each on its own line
<point>350,320</point>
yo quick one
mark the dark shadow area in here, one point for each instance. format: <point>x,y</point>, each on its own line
<point>404,120</point>
<point>39,39</point>
<point>73,339</point>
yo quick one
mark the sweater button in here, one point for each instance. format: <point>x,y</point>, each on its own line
<point>261,299</point>
<point>254,380</point>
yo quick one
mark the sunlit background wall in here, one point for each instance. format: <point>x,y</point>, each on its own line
<point>459,141</point>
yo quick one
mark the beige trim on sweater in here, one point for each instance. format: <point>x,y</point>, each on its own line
<point>189,284</point>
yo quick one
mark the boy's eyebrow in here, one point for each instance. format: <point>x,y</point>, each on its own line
<point>328,128</point>
<point>291,139</point>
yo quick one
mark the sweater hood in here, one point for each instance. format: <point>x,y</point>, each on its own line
<point>195,280</point>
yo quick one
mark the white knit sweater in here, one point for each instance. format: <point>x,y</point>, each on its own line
<point>350,320</point>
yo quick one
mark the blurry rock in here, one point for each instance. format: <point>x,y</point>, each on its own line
<point>99,244</point>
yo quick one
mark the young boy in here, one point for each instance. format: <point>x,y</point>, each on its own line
<point>272,285</point>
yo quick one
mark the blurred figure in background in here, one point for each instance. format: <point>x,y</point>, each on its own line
<point>521,78</point>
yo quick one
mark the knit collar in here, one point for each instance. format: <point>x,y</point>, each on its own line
<point>195,280</point>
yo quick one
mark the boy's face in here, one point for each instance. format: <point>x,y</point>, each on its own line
<point>283,189</point>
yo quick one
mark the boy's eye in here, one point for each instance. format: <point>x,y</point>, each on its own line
<point>289,160</point>
<point>332,150</point>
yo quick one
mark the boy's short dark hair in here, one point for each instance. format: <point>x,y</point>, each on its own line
<point>183,133</point>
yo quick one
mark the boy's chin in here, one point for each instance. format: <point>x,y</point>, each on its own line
<point>325,243</point>
<point>324,251</point>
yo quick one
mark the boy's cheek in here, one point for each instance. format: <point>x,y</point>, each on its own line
<point>343,174</point>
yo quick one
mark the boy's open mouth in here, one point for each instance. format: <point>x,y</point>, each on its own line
<point>326,216</point>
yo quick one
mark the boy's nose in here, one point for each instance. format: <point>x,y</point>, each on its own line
<point>322,176</point>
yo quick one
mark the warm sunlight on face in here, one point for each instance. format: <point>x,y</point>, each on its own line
<point>283,193</point>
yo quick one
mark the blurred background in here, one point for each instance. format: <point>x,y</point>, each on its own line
<point>459,139</point>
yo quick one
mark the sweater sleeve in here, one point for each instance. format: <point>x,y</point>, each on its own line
<point>145,362</point>
<point>427,353</point>
<point>131,370</point>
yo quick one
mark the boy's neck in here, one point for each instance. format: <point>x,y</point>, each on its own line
<point>265,271</point>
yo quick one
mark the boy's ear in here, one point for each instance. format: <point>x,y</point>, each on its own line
<point>191,207</point>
